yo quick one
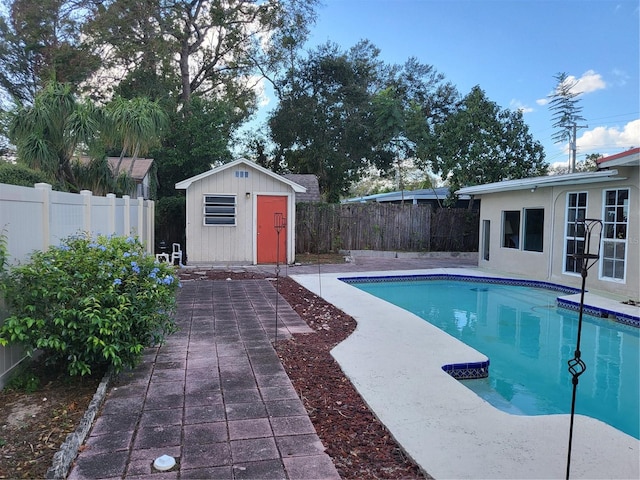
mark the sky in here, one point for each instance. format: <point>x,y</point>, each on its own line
<point>512,49</point>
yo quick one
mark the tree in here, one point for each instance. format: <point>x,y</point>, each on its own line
<point>323,125</point>
<point>481,143</point>
<point>49,133</point>
<point>135,125</point>
<point>565,109</point>
<point>345,111</point>
<point>58,129</point>
<point>589,164</point>
<point>208,48</point>
<point>41,42</point>
<point>194,141</point>
<point>415,99</point>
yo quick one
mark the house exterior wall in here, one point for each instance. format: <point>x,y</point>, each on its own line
<point>549,264</point>
<point>226,243</point>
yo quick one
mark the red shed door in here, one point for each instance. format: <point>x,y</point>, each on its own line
<point>272,213</point>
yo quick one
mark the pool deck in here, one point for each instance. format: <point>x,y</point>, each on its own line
<point>394,360</point>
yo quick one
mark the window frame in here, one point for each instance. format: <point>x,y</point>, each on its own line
<point>507,237</point>
<point>526,229</point>
<point>571,240</point>
<point>615,234</point>
<point>220,206</point>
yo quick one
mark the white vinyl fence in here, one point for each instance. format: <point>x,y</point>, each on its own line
<point>35,218</point>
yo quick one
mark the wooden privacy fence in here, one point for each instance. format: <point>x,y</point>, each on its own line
<point>322,227</point>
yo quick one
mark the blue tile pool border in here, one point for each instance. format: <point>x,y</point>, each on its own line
<point>467,371</point>
<point>619,317</point>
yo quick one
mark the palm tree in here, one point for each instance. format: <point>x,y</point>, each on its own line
<point>135,125</point>
<point>57,128</point>
<point>49,133</point>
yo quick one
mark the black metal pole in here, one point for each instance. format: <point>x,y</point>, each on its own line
<point>277,281</point>
<point>576,365</point>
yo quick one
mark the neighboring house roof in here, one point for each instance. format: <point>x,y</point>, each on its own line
<point>630,158</point>
<point>408,196</point>
<point>141,166</point>
<point>310,182</point>
<point>184,184</point>
<point>546,181</point>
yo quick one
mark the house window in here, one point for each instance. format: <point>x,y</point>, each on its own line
<point>574,231</point>
<point>533,229</point>
<point>614,233</point>
<point>511,229</point>
<point>219,209</point>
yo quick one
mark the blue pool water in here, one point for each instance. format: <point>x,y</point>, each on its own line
<point>528,341</point>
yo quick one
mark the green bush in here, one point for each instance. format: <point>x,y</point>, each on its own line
<point>14,174</point>
<point>90,302</point>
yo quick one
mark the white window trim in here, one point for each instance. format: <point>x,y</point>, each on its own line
<point>601,276</point>
<point>235,207</point>
<point>565,236</point>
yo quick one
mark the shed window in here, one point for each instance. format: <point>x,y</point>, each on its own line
<point>219,209</point>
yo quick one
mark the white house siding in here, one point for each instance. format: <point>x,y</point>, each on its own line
<point>549,264</point>
<point>229,244</point>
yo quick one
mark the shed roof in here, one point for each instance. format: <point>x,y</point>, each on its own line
<point>546,181</point>
<point>310,182</point>
<point>184,184</point>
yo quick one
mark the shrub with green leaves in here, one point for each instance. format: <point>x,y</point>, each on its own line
<point>90,302</point>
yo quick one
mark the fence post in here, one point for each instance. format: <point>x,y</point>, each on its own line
<point>140,226</point>
<point>151,234</point>
<point>111,222</point>
<point>86,211</point>
<point>45,190</point>
<point>127,215</point>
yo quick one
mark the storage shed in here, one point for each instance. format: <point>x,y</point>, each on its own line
<point>240,213</point>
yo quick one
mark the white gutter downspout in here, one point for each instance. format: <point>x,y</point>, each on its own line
<point>553,221</point>
<point>554,198</point>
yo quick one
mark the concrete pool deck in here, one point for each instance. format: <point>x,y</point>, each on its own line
<point>394,360</point>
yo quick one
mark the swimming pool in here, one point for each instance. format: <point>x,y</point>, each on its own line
<point>528,340</point>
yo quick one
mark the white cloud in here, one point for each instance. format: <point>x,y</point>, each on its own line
<point>610,139</point>
<point>518,105</point>
<point>590,81</point>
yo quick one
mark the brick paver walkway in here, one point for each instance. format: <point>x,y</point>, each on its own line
<point>215,397</point>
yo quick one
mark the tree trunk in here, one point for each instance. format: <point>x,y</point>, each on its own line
<point>184,72</point>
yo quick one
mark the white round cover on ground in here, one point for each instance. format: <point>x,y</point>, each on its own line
<point>164,462</point>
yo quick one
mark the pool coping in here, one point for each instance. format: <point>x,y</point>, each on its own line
<point>468,438</point>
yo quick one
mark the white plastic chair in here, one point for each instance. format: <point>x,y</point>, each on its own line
<point>176,254</point>
<point>162,257</point>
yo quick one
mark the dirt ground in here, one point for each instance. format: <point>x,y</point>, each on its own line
<point>34,425</point>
